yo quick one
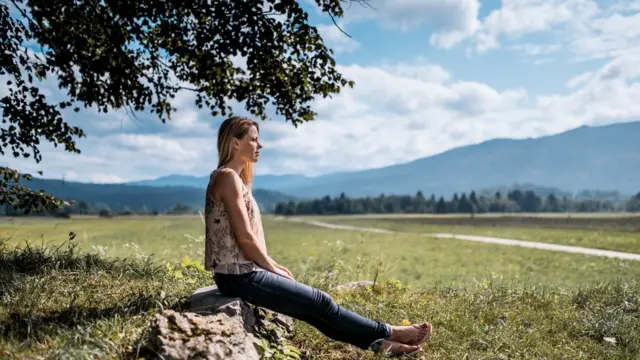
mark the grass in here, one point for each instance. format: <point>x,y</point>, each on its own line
<point>425,262</point>
<point>166,238</point>
<point>625,241</point>
<point>485,301</point>
<point>421,261</point>
<point>57,303</point>
<point>502,322</point>
<point>543,215</point>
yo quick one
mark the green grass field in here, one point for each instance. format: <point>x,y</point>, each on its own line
<point>486,301</point>
<point>420,261</point>
<point>625,241</point>
<point>166,237</point>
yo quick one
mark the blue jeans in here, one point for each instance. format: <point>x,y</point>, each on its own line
<point>299,301</point>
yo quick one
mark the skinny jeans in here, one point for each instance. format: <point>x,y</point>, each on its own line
<point>282,295</point>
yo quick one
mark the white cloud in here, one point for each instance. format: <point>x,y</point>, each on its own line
<point>397,111</point>
<point>584,28</point>
<point>420,70</point>
<point>96,178</point>
<point>162,147</point>
<point>608,36</point>
<point>452,20</point>
<point>519,17</point>
<point>579,80</point>
<point>390,116</point>
<point>433,117</point>
<point>537,49</point>
<point>124,157</point>
<point>336,39</point>
<point>188,118</point>
<point>106,179</point>
<point>626,5</point>
<point>608,95</point>
<point>540,61</point>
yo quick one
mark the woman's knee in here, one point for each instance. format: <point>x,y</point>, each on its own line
<point>325,302</point>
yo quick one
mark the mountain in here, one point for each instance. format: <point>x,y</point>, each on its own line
<point>118,197</point>
<point>174,180</point>
<point>596,158</point>
<point>260,181</point>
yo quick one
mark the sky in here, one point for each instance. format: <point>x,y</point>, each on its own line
<point>430,75</point>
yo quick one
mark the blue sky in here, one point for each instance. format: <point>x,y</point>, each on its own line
<point>430,75</point>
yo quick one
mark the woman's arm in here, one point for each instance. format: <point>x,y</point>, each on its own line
<point>230,190</point>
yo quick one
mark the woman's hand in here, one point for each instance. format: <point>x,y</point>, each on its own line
<point>283,271</point>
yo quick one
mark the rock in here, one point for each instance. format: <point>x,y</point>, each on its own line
<point>176,335</point>
<point>276,325</point>
<point>208,300</point>
<point>353,285</point>
<point>216,327</point>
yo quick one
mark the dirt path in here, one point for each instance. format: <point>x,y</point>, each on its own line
<point>489,240</point>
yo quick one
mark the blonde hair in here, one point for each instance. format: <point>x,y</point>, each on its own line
<point>235,127</point>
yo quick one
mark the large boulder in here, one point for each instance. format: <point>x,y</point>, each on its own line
<point>216,327</point>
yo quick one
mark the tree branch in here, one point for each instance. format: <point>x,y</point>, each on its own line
<point>338,26</point>
<point>363,3</point>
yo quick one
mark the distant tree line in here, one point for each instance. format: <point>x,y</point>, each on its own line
<point>514,201</point>
<point>123,199</point>
<point>83,207</point>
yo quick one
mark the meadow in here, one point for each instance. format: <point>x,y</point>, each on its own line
<point>599,231</point>
<point>93,296</point>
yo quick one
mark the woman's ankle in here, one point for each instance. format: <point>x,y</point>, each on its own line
<point>388,331</point>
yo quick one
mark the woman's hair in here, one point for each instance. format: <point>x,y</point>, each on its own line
<point>235,127</point>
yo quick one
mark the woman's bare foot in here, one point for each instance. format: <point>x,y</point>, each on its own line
<point>411,335</point>
<point>396,348</point>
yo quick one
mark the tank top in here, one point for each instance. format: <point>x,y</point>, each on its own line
<point>222,253</point>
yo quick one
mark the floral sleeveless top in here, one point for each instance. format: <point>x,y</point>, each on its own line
<point>222,253</point>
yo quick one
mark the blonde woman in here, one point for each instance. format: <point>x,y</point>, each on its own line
<point>236,252</point>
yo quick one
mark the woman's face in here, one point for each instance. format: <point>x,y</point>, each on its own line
<point>248,147</point>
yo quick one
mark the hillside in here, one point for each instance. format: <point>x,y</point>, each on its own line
<point>594,158</point>
<point>136,197</point>
<point>261,181</point>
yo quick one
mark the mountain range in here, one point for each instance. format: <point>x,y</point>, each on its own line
<point>589,157</point>
<point>120,197</point>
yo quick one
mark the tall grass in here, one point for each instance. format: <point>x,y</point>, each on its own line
<point>58,302</point>
<point>64,304</point>
<point>72,301</point>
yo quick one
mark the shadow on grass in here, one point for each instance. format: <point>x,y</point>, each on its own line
<point>23,327</point>
<point>37,303</point>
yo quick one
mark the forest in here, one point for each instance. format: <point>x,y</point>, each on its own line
<point>512,202</point>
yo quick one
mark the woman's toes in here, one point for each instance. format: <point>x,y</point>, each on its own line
<point>411,335</point>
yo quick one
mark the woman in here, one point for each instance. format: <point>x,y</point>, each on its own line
<point>236,253</point>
